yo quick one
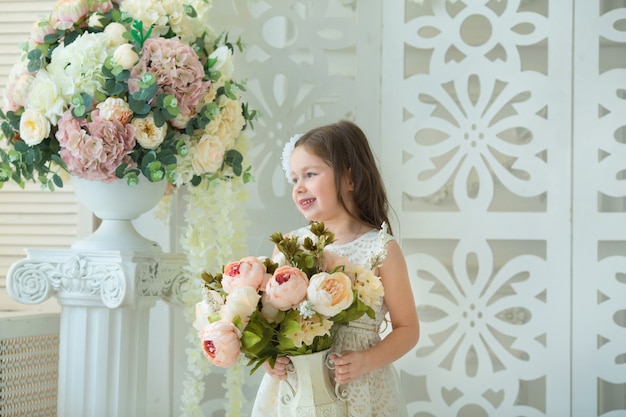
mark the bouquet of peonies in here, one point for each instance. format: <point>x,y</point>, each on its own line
<point>110,89</point>
<point>265,309</point>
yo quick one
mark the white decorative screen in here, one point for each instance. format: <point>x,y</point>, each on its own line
<point>599,244</point>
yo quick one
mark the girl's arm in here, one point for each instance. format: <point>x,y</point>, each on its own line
<point>403,314</point>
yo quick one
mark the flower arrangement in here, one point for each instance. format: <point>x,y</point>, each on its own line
<point>265,308</point>
<point>110,89</point>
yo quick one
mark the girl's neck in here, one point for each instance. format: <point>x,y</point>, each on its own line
<point>347,230</point>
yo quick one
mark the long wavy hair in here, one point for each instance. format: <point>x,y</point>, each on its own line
<point>344,147</point>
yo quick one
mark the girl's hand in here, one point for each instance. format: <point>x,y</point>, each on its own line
<point>279,371</point>
<point>349,366</point>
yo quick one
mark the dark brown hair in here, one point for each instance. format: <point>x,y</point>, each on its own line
<point>344,147</point>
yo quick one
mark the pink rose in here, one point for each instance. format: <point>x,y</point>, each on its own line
<point>221,343</point>
<point>287,288</point>
<point>249,272</point>
<point>330,294</point>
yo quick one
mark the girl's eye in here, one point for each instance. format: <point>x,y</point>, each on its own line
<point>310,174</point>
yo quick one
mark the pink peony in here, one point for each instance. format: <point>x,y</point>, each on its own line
<point>177,70</point>
<point>221,344</point>
<point>93,150</point>
<point>287,288</point>
<point>68,12</point>
<point>249,272</point>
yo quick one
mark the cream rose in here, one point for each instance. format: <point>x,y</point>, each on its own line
<point>287,288</point>
<point>34,127</point>
<point>148,134</point>
<point>221,343</point>
<point>208,155</point>
<point>125,56</point>
<point>247,272</point>
<point>241,302</point>
<point>330,294</point>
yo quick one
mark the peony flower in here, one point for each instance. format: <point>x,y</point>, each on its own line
<point>249,272</point>
<point>287,288</point>
<point>40,30</point>
<point>68,12</point>
<point>115,109</point>
<point>148,134</point>
<point>221,344</point>
<point>125,56</point>
<point>208,155</point>
<point>227,124</point>
<point>34,127</point>
<point>241,302</point>
<point>330,293</point>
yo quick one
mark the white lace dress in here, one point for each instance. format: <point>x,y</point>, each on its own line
<point>376,394</point>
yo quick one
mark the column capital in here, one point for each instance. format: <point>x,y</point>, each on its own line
<point>97,278</point>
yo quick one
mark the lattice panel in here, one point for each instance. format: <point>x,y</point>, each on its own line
<point>599,339</point>
<point>28,376</point>
<point>480,109</point>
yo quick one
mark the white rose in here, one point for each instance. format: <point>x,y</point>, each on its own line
<point>115,32</point>
<point>208,155</point>
<point>34,127</point>
<point>224,62</point>
<point>147,134</point>
<point>125,56</point>
<point>242,301</point>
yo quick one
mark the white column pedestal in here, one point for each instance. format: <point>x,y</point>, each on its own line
<point>105,297</point>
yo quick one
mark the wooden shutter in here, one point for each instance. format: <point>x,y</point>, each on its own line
<point>30,217</point>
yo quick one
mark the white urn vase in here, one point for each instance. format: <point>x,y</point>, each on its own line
<point>314,395</point>
<point>117,204</point>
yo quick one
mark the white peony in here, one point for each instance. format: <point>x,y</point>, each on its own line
<point>148,134</point>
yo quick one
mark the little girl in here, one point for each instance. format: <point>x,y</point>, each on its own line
<point>336,181</point>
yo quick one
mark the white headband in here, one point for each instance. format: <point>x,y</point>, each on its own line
<point>286,157</point>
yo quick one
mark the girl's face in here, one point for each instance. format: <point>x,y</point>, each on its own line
<point>314,191</point>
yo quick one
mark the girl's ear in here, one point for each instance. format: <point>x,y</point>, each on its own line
<point>349,180</point>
